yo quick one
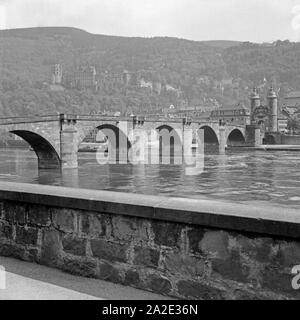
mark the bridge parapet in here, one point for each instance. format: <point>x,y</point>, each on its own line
<point>31,119</point>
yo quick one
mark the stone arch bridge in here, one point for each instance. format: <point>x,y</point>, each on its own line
<point>56,138</point>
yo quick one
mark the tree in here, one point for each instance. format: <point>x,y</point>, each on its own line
<point>293,125</point>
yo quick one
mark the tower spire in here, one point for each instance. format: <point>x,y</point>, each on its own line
<point>272,93</point>
<point>254,94</point>
<point>273,105</point>
<point>254,102</point>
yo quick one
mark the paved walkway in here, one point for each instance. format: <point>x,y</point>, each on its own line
<point>29,281</point>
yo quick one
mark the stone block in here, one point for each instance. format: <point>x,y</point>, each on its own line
<point>6,230</point>
<point>65,220</point>
<point>278,280</point>
<point>180,265</point>
<point>14,212</point>
<point>33,255</point>
<point>166,234</point>
<point>158,284</point>
<point>1,210</point>
<point>8,212</point>
<point>38,215</point>
<point>146,257</point>
<point>194,290</point>
<point>97,226</point>
<point>215,244</point>
<point>12,251</point>
<point>85,223</point>
<point>20,214</point>
<point>123,228</point>
<point>246,294</point>
<point>195,235</point>
<point>82,267</point>
<point>231,268</point>
<point>259,249</point>
<point>108,272</point>
<point>109,251</point>
<point>288,254</point>
<point>74,245</point>
<point>51,251</point>
<point>26,235</point>
<point>132,278</point>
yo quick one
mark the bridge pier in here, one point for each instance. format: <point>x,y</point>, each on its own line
<point>222,140</point>
<point>187,146</point>
<point>68,144</point>
<point>257,137</point>
<point>123,142</point>
<point>138,151</point>
<point>196,166</point>
<point>253,135</point>
<point>200,142</point>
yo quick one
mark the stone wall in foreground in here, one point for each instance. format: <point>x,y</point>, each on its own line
<point>178,259</point>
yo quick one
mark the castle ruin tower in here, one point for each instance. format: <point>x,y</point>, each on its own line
<point>56,74</point>
<point>273,106</point>
<point>255,103</point>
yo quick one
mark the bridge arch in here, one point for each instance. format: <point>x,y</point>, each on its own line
<point>47,156</point>
<point>235,138</point>
<point>117,142</point>
<point>170,144</point>
<point>210,135</point>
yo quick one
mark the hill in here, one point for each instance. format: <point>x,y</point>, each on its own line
<point>224,44</point>
<point>199,73</point>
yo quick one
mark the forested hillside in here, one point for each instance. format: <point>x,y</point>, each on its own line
<point>204,73</point>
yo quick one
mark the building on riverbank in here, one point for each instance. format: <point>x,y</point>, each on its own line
<point>237,114</point>
<point>291,102</point>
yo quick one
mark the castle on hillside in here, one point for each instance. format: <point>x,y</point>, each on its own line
<point>88,78</point>
<point>56,74</point>
<point>84,77</point>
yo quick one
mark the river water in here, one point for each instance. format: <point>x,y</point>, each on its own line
<point>240,176</point>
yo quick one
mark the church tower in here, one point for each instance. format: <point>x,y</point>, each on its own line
<point>255,102</point>
<point>273,107</point>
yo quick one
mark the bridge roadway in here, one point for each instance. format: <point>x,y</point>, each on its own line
<point>56,138</point>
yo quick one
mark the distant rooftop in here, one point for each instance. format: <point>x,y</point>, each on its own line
<point>234,107</point>
<point>294,94</point>
<point>205,114</point>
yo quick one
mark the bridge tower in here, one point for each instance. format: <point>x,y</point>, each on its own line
<point>255,103</point>
<point>273,106</point>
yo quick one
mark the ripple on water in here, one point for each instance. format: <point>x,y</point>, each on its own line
<point>294,198</point>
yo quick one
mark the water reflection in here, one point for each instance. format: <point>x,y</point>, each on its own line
<point>239,176</point>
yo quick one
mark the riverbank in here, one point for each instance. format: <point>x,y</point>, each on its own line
<point>92,147</point>
<point>268,147</point>
<point>279,147</point>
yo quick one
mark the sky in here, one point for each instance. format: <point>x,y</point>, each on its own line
<point>243,20</point>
